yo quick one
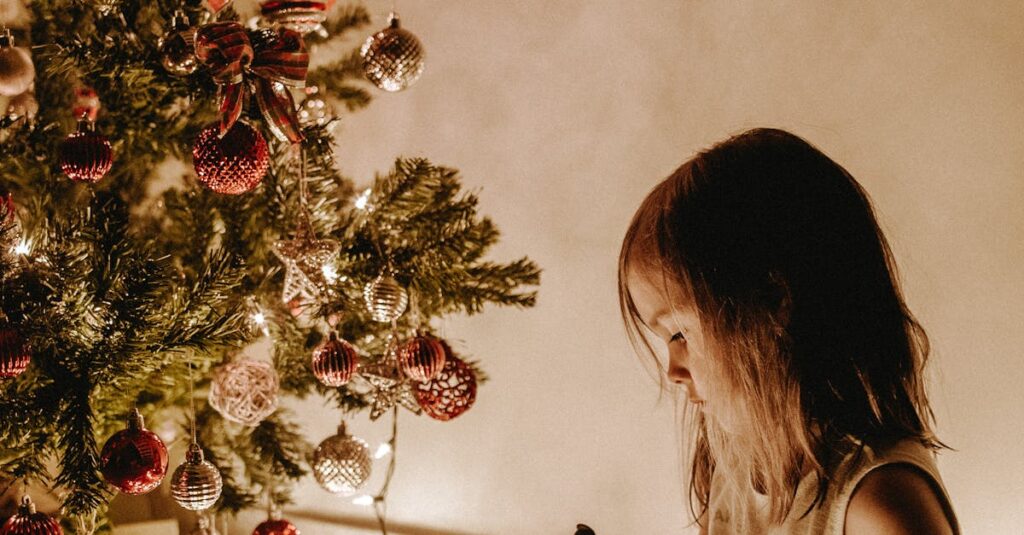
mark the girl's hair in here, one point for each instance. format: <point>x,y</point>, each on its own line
<point>778,249</point>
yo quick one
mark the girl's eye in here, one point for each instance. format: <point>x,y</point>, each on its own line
<point>677,337</point>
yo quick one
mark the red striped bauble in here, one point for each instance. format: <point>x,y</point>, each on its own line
<point>276,527</point>
<point>30,522</point>
<point>421,358</point>
<point>86,155</point>
<point>14,353</point>
<point>335,362</point>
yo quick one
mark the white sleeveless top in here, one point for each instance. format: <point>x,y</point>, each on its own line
<point>731,514</point>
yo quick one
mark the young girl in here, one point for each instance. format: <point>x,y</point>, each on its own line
<point>760,266</point>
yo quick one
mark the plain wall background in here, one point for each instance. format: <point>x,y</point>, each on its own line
<point>564,114</point>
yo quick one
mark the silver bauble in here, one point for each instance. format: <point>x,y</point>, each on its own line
<point>178,47</point>
<point>392,57</point>
<point>196,484</point>
<point>385,298</point>
<point>341,463</point>
<point>16,69</point>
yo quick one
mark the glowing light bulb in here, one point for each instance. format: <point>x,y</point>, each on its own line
<point>330,273</point>
<point>364,199</point>
<point>23,248</point>
<point>382,451</point>
<point>363,499</point>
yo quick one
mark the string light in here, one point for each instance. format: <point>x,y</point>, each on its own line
<point>330,273</point>
<point>382,451</point>
<point>363,499</point>
<point>364,199</point>
<point>23,248</point>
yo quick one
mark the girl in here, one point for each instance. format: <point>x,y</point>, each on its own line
<point>760,265</point>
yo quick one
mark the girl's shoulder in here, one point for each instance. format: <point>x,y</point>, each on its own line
<point>889,484</point>
<point>904,465</point>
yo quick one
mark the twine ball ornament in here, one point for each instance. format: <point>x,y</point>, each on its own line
<point>449,394</point>
<point>422,358</point>
<point>86,155</point>
<point>178,47</point>
<point>134,460</point>
<point>341,463</point>
<point>303,16</point>
<point>335,362</point>
<point>30,522</point>
<point>392,57</point>
<point>385,298</point>
<point>14,353</point>
<point>233,164</point>
<point>244,391</point>
<point>16,69</point>
<point>196,484</point>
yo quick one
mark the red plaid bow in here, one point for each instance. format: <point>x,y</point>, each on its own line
<point>277,60</point>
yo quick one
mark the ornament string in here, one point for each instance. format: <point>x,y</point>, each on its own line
<point>192,401</point>
<point>380,505</point>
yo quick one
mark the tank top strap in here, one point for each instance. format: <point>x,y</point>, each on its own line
<point>862,461</point>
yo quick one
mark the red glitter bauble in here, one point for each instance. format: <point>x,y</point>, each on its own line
<point>231,164</point>
<point>29,522</point>
<point>134,460</point>
<point>335,361</point>
<point>449,394</point>
<point>421,358</point>
<point>276,527</point>
<point>14,353</point>
<point>86,155</point>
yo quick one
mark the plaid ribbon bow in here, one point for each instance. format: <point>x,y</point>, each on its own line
<point>276,59</point>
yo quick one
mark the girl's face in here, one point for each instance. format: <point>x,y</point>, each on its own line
<point>674,320</point>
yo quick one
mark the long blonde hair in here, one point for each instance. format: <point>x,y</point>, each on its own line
<point>779,250</point>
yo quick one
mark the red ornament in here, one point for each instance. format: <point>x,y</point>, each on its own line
<point>421,358</point>
<point>134,459</point>
<point>335,361</point>
<point>29,522</point>
<point>86,155</point>
<point>14,353</point>
<point>276,527</point>
<point>87,103</point>
<point>231,164</point>
<point>451,393</point>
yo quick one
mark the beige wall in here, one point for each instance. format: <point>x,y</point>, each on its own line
<point>566,113</point>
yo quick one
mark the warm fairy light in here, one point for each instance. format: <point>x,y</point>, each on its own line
<point>363,499</point>
<point>259,319</point>
<point>364,199</point>
<point>382,451</point>
<point>23,248</point>
<point>330,273</point>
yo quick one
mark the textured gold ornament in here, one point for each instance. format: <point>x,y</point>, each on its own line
<point>385,298</point>
<point>196,484</point>
<point>341,463</point>
<point>392,57</point>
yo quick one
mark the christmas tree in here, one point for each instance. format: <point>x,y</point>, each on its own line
<point>127,293</point>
